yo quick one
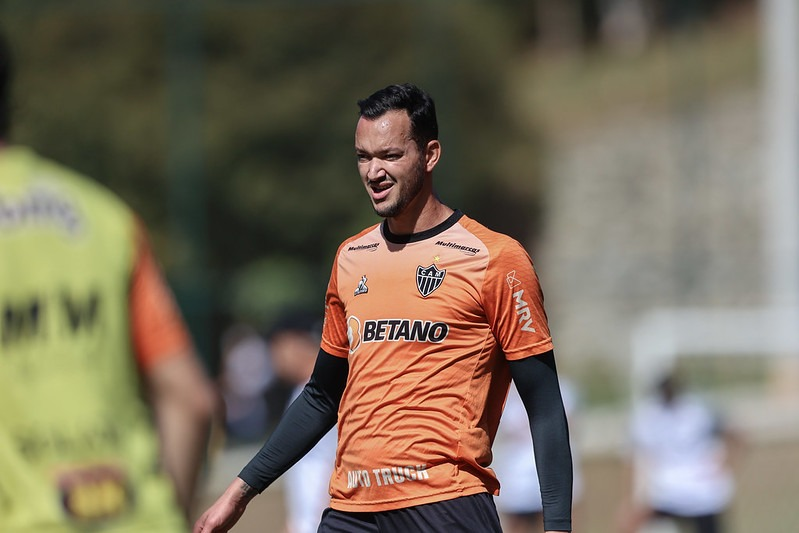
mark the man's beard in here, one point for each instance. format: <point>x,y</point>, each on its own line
<point>406,195</point>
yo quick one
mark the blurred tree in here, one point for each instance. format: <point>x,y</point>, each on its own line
<point>281,90</point>
<point>276,188</point>
<point>277,109</point>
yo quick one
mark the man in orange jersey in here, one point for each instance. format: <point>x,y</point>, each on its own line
<point>104,407</point>
<point>428,317</point>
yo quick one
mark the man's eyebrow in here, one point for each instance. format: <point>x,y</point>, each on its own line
<point>379,151</point>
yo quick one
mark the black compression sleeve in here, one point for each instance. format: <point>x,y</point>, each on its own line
<point>536,379</point>
<point>305,422</point>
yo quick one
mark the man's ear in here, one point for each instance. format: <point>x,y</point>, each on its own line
<point>432,154</point>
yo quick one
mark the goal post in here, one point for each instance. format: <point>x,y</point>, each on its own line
<point>663,335</point>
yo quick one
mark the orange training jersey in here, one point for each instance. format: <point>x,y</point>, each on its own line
<point>427,323</point>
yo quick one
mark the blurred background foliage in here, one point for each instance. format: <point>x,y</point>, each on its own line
<point>228,125</point>
<point>630,128</point>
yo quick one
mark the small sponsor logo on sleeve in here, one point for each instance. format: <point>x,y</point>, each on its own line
<point>512,280</point>
<point>364,247</point>
<point>468,250</point>
<point>523,312</point>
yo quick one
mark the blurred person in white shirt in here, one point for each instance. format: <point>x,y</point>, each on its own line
<point>680,462</point>
<point>293,347</point>
<point>245,376</point>
<point>519,501</point>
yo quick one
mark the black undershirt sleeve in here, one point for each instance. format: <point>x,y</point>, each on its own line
<point>536,379</point>
<point>305,422</point>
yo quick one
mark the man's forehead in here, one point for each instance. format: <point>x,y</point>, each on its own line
<point>389,124</point>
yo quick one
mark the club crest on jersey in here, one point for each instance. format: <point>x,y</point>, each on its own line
<point>429,279</point>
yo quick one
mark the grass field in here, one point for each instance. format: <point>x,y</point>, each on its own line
<point>768,485</point>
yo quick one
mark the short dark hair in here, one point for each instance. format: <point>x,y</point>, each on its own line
<point>409,98</point>
<point>296,321</point>
<point>5,86</point>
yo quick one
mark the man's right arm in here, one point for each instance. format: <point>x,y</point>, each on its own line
<point>305,422</point>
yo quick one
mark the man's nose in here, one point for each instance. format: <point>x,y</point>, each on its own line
<point>376,170</point>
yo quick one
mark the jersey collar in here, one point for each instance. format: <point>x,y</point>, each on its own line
<point>422,235</point>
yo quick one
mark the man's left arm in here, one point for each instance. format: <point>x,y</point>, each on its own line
<point>536,379</point>
<point>182,398</point>
<point>184,403</point>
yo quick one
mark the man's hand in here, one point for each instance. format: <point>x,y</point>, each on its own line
<point>226,511</point>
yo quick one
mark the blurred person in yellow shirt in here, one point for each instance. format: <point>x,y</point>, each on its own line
<point>105,409</point>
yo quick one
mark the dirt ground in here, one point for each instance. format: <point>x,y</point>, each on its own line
<point>767,499</point>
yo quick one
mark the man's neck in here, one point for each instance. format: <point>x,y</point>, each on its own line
<point>431,214</point>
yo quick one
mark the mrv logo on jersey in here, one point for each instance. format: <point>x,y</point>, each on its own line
<point>522,308</point>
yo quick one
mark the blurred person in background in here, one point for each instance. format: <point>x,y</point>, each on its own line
<point>519,501</point>
<point>104,407</point>
<point>680,467</point>
<point>428,317</point>
<point>245,376</point>
<point>293,346</point>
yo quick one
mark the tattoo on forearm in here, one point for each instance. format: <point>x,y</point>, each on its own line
<point>247,492</point>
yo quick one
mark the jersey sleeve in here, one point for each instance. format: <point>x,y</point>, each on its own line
<point>514,303</point>
<point>335,336</point>
<point>157,327</point>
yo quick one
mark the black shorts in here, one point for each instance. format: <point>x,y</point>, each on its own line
<point>466,514</point>
<point>709,523</point>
